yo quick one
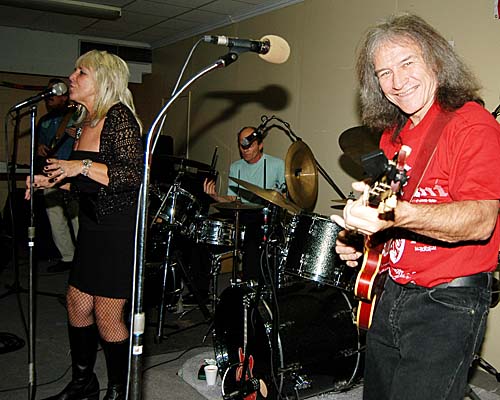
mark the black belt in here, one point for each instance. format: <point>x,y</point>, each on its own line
<point>482,279</point>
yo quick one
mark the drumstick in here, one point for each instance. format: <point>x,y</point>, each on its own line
<point>214,159</point>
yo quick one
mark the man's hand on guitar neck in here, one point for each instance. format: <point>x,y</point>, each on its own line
<point>360,217</point>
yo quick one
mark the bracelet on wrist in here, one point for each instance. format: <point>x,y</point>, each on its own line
<point>86,164</point>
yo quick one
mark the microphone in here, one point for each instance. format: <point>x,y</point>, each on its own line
<point>271,48</point>
<point>248,387</point>
<point>57,89</point>
<point>256,134</point>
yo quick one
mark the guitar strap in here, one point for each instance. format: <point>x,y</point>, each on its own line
<point>61,135</point>
<point>423,160</point>
<point>425,154</point>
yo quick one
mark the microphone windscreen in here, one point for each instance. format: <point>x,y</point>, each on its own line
<point>279,50</point>
<point>59,89</point>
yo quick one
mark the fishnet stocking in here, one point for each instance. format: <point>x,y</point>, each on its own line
<point>107,313</point>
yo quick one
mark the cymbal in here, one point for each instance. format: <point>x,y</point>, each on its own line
<point>269,195</point>
<point>237,206</point>
<point>180,163</point>
<point>358,141</point>
<point>301,174</point>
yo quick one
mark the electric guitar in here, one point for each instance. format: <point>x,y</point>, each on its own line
<point>242,353</point>
<point>383,195</point>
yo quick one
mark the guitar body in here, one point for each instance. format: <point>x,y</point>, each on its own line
<point>239,372</point>
<point>365,280</point>
<point>366,308</point>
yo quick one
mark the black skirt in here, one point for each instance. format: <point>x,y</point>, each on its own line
<point>104,254</point>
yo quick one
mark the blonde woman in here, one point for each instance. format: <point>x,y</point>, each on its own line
<point>105,171</point>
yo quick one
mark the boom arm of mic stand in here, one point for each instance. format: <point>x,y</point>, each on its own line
<point>138,320</point>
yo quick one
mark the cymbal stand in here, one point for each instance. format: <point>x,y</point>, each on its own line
<point>236,252</point>
<point>168,262</point>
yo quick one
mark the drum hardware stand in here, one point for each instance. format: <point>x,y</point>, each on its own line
<point>268,242</point>
<point>485,365</point>
<point>215,268</point>
<point>477,360</point>
<point>236,251</point>
<point>162,307</point>
<point>163,300</point>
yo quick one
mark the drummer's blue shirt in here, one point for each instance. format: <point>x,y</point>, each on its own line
<point>254,173</point>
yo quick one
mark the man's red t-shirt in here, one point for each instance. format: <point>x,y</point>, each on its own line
<point>466,166</point>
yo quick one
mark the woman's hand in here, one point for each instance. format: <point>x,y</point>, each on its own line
<point>59,169</point>
<point>40,182</point>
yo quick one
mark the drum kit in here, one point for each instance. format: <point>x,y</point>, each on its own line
<point>293,332</point>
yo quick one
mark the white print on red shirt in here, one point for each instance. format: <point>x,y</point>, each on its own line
<point>422,195</point>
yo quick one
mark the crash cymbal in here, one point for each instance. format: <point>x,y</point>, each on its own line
<point>358,141</point>
<point>269,195</point>
<point>237,206</point>
<point>301,175</point>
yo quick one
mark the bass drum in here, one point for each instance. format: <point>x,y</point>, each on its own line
<point>319,349</point>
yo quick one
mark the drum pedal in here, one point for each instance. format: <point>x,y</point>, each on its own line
<point>301,382</point>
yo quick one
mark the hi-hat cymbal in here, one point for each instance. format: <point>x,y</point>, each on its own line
<point>237,206</point>
<point>181,163</point>
<point>358,141</point>
<point>301,174</point>
<point>269,195</point>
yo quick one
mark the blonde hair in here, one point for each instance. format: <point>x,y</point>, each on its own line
<point>110,74</point>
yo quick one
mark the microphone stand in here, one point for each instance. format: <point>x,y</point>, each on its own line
<point>31,285</point>
<point>138,317</point>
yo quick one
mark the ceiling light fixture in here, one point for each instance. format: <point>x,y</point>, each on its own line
<point>68,7</point>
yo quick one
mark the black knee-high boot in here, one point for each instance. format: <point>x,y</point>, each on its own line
<point>84,384</point>
<point>117,365</point>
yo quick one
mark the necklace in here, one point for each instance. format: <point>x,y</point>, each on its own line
<point>78,133</point>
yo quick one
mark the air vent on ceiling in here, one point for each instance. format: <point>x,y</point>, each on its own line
<point>131,54</point>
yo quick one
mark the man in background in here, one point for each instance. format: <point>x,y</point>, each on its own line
<point>55,139</point>
<point>259,169</point>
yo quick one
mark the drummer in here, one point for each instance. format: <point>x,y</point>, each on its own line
<point>259,169</point>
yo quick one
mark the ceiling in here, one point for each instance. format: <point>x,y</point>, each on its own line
<point>151,22</point>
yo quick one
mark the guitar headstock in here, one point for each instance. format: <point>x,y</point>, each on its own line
<point>389,178</point>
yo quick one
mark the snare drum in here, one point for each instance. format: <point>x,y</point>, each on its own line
<point>309,251</point>
<point>215,232</point>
